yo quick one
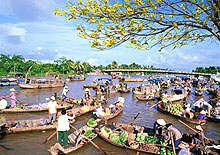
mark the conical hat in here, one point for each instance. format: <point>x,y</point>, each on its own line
<point>12,89</point>
<point>161,122</point>
<point>87,89</point>
<point>202,112</point>
<point>198,127</point>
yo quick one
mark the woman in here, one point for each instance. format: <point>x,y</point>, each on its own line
<point>12,97</point>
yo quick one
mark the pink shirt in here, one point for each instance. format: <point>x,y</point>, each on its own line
<point>12,96</point>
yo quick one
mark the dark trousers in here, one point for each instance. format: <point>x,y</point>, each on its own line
<point>63,136</point>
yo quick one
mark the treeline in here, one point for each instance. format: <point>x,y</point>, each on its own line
<point>210,70</point>
<point>17,63</point>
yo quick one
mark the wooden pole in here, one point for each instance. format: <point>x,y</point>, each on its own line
<point>172,141</point>
<point>50,137</point>
<point>154,105</point>
<point>101,150</point>
<point>188,126</point>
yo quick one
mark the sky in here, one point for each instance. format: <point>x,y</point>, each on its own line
<point>30,28</point>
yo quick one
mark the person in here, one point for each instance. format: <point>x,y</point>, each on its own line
<point>3,102</point>
<point>99,111</point>
<point>87,94</point>
<point>201,115</point>
<point>64,92</point>
<point>63,127</point>
<point>12,97</point>
<point>159,123</point>
<point>201,134</point>
<point>176,134</point>
<point>198,104</point>
<point>165,97</point>
<point>52,106</point>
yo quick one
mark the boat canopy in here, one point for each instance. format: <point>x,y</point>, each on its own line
<point>154,80</point>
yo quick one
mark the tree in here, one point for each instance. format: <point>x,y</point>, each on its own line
<point>145,23</point>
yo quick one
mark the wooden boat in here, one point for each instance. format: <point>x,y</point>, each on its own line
<point>134,79</point>
<point>194,121</point>
<point>124,90</point>
<point>153,148</point>
<point>175,97</point>
<point>43,83</point>
<point>93,85</point>
<point>79,112</point>
<point>75,78</point>
<point>8,82</point>
<point>22,110</point>
<point>213,119</point>
<point>54,150</point>
<point>30,125</point>
<point>138,92</point>
<point>146,98</point>
<point>112,115</point>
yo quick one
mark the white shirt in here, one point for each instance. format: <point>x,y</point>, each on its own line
<point>65,91</point>
<point>99,111</point>
<point>63,123</point>
<point>52,107</point>
<point>3,104</point>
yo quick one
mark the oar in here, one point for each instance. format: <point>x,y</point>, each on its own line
<point>192,128</point>
<point>155,105</point>
<point>172,141</point>
<point>50,137</point>
<point>188,126</point>
<point>101,150</point>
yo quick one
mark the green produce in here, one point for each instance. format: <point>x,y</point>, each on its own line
<point>151,140</point>
<point>89,134</point>
<point>123,137</point>
<point>140,138</point>
<point>163,143</point>
<point>114,137</point>
<point>91,122</point>
<point>175,109</point>
<point>163,150</point>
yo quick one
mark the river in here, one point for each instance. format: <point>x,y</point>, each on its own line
<point>32,143</point>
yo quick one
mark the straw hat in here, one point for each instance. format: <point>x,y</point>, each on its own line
<point>203,112</point>
<point>161,122</point>
<point>2,97</point>
<point>121,99</point>
<point>198,127</point>
<point>12,89</point>
<point>87,89</point>
<point>52,98</point>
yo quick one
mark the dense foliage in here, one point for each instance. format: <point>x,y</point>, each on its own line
<point>145,23</point>
<point>17,63</point>
<point>211,70</point>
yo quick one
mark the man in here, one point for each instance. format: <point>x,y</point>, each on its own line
<point>63,127</point>
<point>64,93</point>
<point>52,107</point>
<point>3,103</point>
<point>176,134</point>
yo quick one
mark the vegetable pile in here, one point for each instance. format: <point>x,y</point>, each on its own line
<point>165,151</point>
<point>89,134</point>
<point>175,109</point>
<point>92,122</point>
<point>120,138</point>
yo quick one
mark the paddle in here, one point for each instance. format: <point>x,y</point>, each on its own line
<point>193,129</point>
<point>172,141</point>
<point>155,105</point>
<point>101,150</point>
<point>50,137</point>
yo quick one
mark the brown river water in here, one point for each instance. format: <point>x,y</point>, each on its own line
<point>31,143</point>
